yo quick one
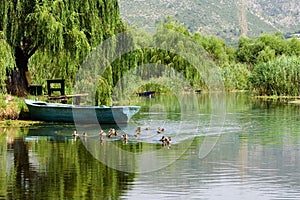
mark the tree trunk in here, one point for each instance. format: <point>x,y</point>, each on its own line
<point>24,177</point>
<point>17,83</point>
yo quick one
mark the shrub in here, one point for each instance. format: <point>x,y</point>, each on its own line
<point>278,77</point>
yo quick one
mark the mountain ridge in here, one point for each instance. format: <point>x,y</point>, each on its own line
<point>216,17</point>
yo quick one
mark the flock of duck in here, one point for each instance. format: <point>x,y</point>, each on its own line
<point>166,141</point>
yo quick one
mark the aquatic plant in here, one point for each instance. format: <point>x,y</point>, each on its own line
<point>278,77</point>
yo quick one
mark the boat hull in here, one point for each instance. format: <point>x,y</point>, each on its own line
<point>146,94</point>
<point>54,112</point>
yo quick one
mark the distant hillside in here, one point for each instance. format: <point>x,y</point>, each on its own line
<point>216,17</point>
<point>282,14</point>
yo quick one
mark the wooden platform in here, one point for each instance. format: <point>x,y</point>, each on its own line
<point>64,98</point>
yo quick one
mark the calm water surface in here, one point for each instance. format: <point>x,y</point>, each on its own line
<point>238,148</point>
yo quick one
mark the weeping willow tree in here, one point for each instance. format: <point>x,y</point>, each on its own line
<point>177,44</point>
<point>103,93</point>
<point>166,54</point>
<point>52,35</point>
<point>6,59</point>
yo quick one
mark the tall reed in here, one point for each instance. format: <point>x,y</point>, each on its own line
<point>278,77</point>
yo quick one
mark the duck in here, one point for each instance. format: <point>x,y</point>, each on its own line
<point>102,138</point>
<point>138,129</point>
<point>166,141</point>
<point>111,132</point>
<point>124,137</point>
<point>137,133</point>
<point>117,133</point>
<point>162,139</point>
<point>102,133</point>
<point>84,134</point>
<point>160,130</point>
<point>75,134</point>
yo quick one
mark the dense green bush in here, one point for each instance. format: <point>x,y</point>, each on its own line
<point>265,48</point>
<point>11,107</point>
<point>280,76</point>
<point>235,76</point>
<point>103,93</point>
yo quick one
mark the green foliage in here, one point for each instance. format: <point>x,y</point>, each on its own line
<point>6,61</point>
<point>278,77</point>
<point>56,36</point>
<point>265,48</point>
<point>64,54</point>
<point>172,52</point>
<point>215,47</point>
<point>8,122</point>
<point>235,76</point>
<point>267,54</point>
<point>71,160</point>
<point>293,47</point>
<point>158,88</point>
<point>10,107</point>
<point>184,50</point>
<point>103,93</point>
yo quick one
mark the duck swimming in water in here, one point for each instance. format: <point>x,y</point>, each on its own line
<point>159,130</point>
<point>137,134</point>
<point>102,138</point>
<point>162,139</point>
<point>102,133</point>
<point>75,134</point>
<point>166,141</point>
<point>138,131</point>
<point>117,133</point>
<point>84,134</point>
<point>111,132</point>
<point>124,138</point>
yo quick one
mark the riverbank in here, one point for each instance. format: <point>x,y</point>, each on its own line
<point>12,108</point>
<point>14,112</point>
<point>17,123</point>
<point>285,99</point>
<point>295,102</point>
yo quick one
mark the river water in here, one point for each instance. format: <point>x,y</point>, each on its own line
<point>222,147</point>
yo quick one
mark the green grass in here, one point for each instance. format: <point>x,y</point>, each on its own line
<point>11,108</point>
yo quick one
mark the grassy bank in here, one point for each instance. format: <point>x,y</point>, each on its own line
<point>17,123</point>
<point>14,112</point>
<point>12,108</point>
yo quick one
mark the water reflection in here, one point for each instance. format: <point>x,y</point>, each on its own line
<point>53,166</point>
<point>257,156</point>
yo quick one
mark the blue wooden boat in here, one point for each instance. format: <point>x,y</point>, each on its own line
<point>57,112</point>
